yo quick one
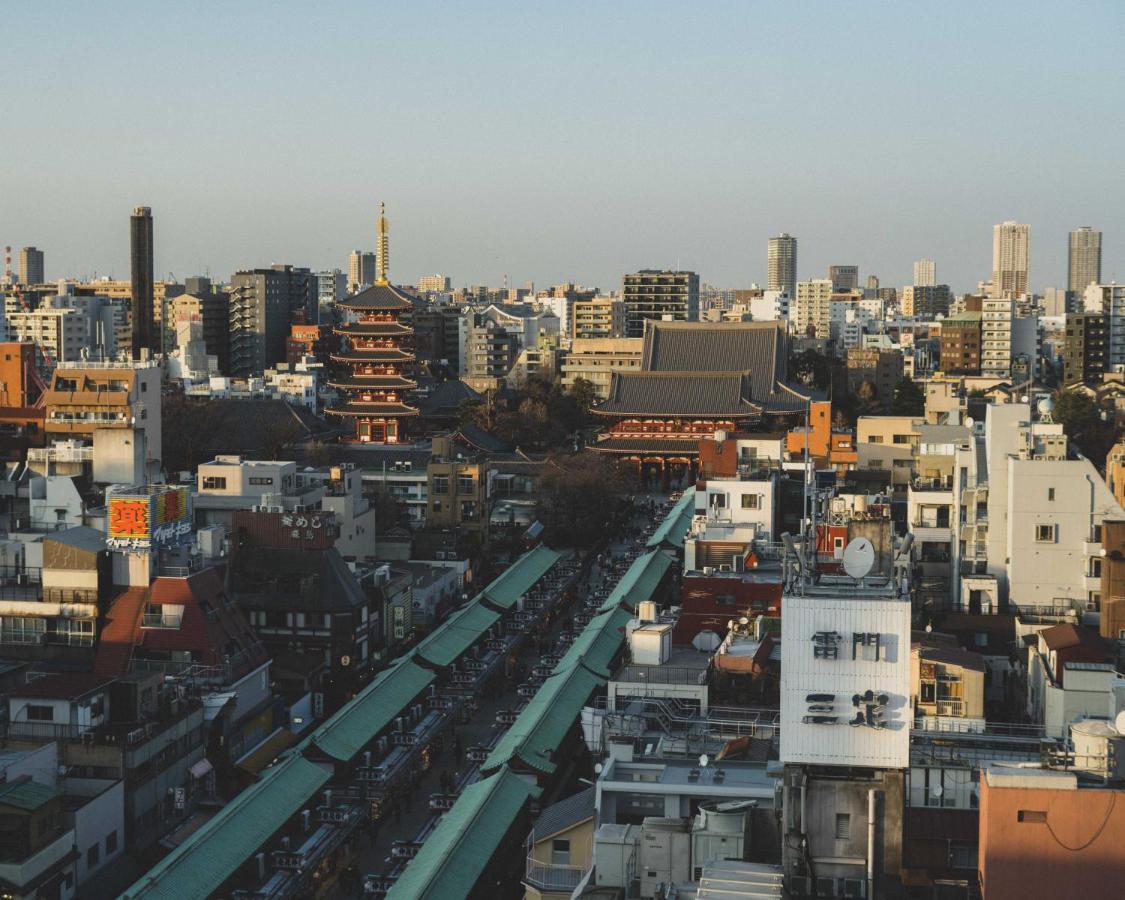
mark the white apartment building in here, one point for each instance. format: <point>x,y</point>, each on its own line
<point>770,306</point>
<point>812,307</point>
<point>996,336</point>
<point>64,326</point>
<point>1029,518</point>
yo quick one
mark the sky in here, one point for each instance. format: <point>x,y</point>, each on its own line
<point>563,141</point>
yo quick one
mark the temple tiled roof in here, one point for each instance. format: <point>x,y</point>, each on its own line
<point>357,381</point>
<point>361,408</point>
<point>373,329</point>
<point>382,355</point>
<point>378,296</point>
<point>685,393</point>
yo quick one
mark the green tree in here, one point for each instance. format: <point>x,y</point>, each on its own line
<point>584,394</point>
<point>908,399</point>
<point>578,498</point>
<point>1082,422</point>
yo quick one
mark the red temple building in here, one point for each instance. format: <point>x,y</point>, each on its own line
<point>695,379</point>
<point>375,359</point>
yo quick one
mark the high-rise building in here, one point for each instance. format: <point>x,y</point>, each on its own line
<point>653,294</point>
<point>140,254</point>
<point>1011,253</point>
<point>31,266</point>
<point>434,284</point>
<point>925,273</point>
<point>844,278</point>
<point>996,336</point>
<point>960,344</point>
<point>361,270</point>
<point>812,309</point>
<point>264,303</point>
<point>1109,300</point>
<point>782,264</point>
<point>1084,261</point>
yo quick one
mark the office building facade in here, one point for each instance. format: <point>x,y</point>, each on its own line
<point>844,278</point>
<point>655,294</point>
<point>812,308</point>
<point>31,266</point>
<point>1084,259</point>
<point>1084,348</point>
<point>782,264</point>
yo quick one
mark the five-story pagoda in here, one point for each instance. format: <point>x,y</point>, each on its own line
<point>375,358</point>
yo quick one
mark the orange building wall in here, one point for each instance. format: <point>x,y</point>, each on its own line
<point>820,432</point>
<point>1077,852</point>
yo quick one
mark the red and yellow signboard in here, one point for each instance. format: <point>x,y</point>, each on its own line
<point>140,518</point>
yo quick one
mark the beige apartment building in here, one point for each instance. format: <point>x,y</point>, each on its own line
<point>596,359</point>
<point>813,307</point>
<point>599,317</point>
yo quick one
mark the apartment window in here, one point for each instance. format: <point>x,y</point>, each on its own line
<point>929,692</point>
<point>37,713</point>
<point>750,501</point>
<point>718,501</point>
<point>214,483</point>
<point>1032,815</point>
<point>261,481</point>
<point>111,843</point>
<point>843,826</point>
<point>440,484</point>
<point>1050,493</point>
<point>1095,567</point>
<point>465,484</point>
<point>1094,601</point>
<point>437,506</point>
<point>560,852</point>
<point>1045,534</point>
<point>92,856</point>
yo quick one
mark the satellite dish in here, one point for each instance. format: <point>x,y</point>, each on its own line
<point>937,790</point>
<point>1119,723</point>
<point>597,768</point>
<point>969,423</point>
<point>703,760</point>
<point>744,621</point>
<point>859,557</point>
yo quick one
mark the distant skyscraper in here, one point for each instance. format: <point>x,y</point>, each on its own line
<point>844,278</point>
<point>140,248</point>
<point>31,266</point>
<point>434,284</point>
<point>361,270</point>
<point>782,265</point>
<point>925,273</point>
<point>1084,263</point>
<point>1011,253</point>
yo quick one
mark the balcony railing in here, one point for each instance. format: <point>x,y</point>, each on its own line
<point>161,620</point>
<point>550,877</point>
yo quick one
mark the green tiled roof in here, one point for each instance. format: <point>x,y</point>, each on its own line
<point>639,581</point>
<point>459,632</point>
<point>549,715</point>
<point>198,867</point>
<point>676,523</point>
<point>371,710</point>
<point>26,794</point>
<point>515,580</point>
<point>598,643</point>
<point>456,852</point>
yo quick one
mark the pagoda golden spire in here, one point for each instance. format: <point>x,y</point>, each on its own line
<point>382,246</point>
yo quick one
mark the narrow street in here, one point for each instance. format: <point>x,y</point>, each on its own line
<point>408,820</point>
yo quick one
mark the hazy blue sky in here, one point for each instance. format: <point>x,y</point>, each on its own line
<point>563,141</point>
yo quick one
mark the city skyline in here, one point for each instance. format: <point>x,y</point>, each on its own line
<point>588,169</point>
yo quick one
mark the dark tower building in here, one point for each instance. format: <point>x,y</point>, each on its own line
<point>140,247</point>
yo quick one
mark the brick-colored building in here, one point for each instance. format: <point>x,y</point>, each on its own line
<point>1041,835</point>
<point>960,344</point>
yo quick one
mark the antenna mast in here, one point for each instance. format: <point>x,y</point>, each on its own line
<point>382,245</point>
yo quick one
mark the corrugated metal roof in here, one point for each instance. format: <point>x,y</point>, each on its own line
<point>459,632</point>
<point>542,725</point>
<point>515,580</point>
<point>197,868</point>
<point>26,794</point>
<point>675,525</point>
<point>456,852</point>
<point>598,643</point>
<point>371,710</point>
<point>640,581</point>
